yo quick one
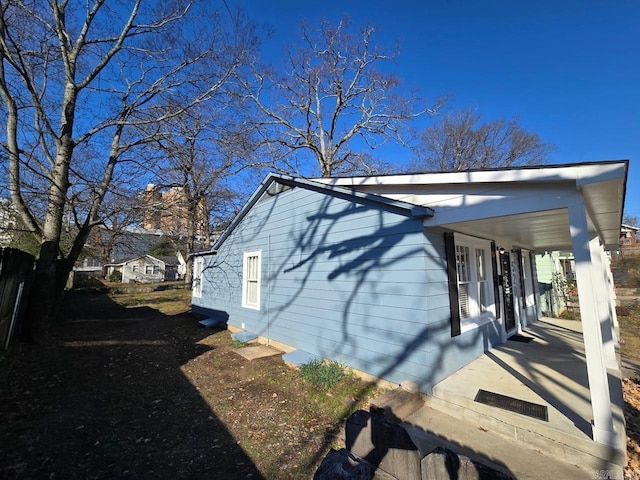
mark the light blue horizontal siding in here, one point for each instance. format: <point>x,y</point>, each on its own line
<point>354,283</point>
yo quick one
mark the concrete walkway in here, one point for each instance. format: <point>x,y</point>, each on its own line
<point>548,371</point>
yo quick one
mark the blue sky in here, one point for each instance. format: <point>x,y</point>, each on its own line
<point>570,70</point>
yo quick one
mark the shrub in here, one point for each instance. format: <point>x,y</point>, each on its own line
<point>322,374</point>
<point>569,314</point>
<point>115,276</point>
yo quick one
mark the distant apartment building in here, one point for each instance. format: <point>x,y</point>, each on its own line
<point>167,210</point>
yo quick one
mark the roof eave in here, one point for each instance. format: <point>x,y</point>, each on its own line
<point>408,209</point>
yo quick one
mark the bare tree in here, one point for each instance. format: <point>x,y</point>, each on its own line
<point>123,211</point>
<point>333,100</point>
<point>460,141</point>
<point>200,150</point>
<point>96,76</point>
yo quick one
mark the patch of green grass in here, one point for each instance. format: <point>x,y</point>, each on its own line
<point>169,302</point>
<point>323,374</point>
<point>237,344</point>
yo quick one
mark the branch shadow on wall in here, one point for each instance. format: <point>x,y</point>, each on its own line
<point>362,257</point>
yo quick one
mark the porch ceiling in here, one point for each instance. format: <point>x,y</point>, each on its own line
<point>523,206</point>
<point>545,230</point>
<point>549,229</point>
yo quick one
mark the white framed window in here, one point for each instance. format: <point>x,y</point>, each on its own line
<point>475,281</point>
<point>134,268</point>
<point>196,286</point>
<point>251,279</point>
<point>148,269</point>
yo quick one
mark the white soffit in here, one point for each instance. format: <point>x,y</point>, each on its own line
<point>544,230</point>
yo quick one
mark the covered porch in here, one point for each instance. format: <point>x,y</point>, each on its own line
<point>523,211</point>
<point>549,371</point>
<point>575,208</point>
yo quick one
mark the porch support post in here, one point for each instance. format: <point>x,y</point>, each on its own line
<point>612,295</point>
<point>602,290</point>
<point>602,427</point>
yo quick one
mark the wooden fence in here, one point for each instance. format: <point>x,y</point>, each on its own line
<point>16,274</point>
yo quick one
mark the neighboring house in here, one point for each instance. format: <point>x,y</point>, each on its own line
<point>182,263</point>
<point>629,236</point>
<point>561,267</point>
<point>84,271</point>
<point>629,244</point>
<point>146,269</point>
<point>556,276</point>
<point>411,277</point>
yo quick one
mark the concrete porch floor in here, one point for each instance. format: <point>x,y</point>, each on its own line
<point>548,371</point>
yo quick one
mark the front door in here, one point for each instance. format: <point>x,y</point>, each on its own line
<point>507,292</point>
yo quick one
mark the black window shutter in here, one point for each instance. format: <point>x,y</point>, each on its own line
<point>452,276</point>
<point>523,293</point>
<point>496,280</point>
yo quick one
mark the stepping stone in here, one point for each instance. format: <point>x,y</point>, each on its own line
<point>244,337</point>
<point>299,357</point>
<point>256,351</point>
<point>210,322</point>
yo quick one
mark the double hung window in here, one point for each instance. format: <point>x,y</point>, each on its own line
<point>251,279</point>
<point>475,279</point>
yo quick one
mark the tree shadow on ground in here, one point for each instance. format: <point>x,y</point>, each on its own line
<point>109,401</point>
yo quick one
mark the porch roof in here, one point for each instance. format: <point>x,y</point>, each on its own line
<point>525,206</point>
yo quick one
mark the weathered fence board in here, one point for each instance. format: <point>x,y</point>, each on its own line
<point>16,274</point>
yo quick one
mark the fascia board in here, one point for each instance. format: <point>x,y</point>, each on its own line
<point>542,173</point>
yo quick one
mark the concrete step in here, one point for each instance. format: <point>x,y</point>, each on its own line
<point>534,433</point>
<point>429,429</point>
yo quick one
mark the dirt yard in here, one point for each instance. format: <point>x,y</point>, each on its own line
<point>133,388</point>
<point>130,391</point>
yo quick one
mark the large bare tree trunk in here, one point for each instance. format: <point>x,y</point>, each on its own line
<point>122,77</point>
<point>50,279</point>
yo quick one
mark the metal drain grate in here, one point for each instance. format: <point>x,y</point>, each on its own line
<point>513,405</point>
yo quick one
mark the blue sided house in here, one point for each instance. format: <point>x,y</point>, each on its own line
<point>413,276</point>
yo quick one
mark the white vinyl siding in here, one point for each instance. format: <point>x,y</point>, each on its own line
<point>251,279</point>
<point>475,281</point>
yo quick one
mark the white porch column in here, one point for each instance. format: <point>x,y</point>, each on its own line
<point>602,427</point>
<point>612,294</point>
<point>602,290</point>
